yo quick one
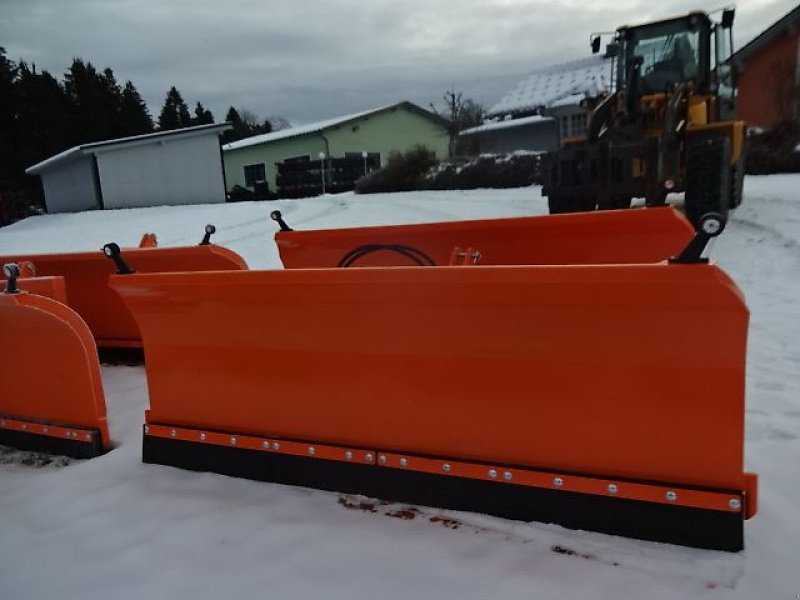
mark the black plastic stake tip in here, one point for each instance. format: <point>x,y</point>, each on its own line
<point>11,271</point>
<point>276,216</point>
<point>113,252</point>
<point>710,226</point>
<point>209,231</point>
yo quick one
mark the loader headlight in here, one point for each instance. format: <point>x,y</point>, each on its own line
<point>669,184</point>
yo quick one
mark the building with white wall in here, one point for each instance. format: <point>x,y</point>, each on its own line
<point>180,166</point>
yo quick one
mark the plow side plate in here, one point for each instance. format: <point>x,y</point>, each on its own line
<point>50,287</point>
<point>86,277</point>
<point>606,237</point>
<point>629,373</point>
<point>52,398</point>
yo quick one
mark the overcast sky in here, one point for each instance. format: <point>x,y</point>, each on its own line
<point>308,60</point>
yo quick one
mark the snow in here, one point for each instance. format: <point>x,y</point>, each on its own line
<point>112,527</point>
<point>302,129</point>
<point>94,147</point>
<point>507,124</point>
<point>546,87</point>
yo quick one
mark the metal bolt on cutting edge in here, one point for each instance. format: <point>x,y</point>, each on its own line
<point>558,482</point>
<point>735,503</point>
<point>671,496</point>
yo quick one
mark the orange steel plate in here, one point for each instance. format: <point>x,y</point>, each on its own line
<point>86,277</point>
<point>619,371</point>
<point>604,237</point>
<point>54,374</point>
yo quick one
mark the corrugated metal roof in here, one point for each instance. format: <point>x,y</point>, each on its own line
<point>785,24</point>
<point>320,126</point>
<point>509,124</point>
<point>84,149</point>
<point>545,87</point>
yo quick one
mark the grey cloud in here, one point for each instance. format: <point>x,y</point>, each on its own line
<point>309,60</point>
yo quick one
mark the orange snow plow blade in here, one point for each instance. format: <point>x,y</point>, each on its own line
<point>605,237</point>
<point>52,397</point>
<point>608,398</point>
<point>86,278</point>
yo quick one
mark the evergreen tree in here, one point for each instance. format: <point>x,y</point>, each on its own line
<point>8,160</point>
<point>134,118</point>
<point>96,101</point>
<point>43,116</point>
<point>202,116</point>
<point>174,113</point>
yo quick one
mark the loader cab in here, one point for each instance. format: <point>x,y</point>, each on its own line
<point>656,56</point>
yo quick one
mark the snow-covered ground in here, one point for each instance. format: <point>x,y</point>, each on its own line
<point>115,528</point>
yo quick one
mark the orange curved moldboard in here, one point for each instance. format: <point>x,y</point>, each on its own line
<point>604,237</point>
<point>53,375</point>
<point>86,276</point>
<point>621,371</point>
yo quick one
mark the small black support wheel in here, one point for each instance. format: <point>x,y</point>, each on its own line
<point>708,177</point>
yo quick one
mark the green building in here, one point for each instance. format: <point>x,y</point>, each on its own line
<point>376,132</point>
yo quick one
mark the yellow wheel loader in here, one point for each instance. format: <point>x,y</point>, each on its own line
<point>669,124</point>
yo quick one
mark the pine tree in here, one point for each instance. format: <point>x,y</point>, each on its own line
<point>96,100</point>
<point>175,113</point>
<point>202,116</point>
<point>8,166</point>
<point>43,115</point>
<point>134,118</point>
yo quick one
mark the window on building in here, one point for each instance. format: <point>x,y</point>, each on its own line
<point>564,126</point>
<point>578,124</point>
<point>253,173</point>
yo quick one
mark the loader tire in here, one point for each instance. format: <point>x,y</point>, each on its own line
<point>737,178</point>
<point>616,203</point>
<point>558,204</point>
<point>708,177</point>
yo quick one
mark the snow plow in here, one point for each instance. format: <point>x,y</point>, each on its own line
<point>606,237</point>
<point>544,392</point>
<point>54,402</point>
<point>85,276</point>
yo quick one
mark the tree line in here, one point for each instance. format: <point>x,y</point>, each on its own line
<point>41,115</point>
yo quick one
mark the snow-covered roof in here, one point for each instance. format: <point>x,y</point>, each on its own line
<point>508,124</point>
<point>321,126</point>
<point>552,85</point>
<point>93,147</point>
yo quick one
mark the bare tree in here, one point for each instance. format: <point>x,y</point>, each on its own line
<point>459,113</point>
